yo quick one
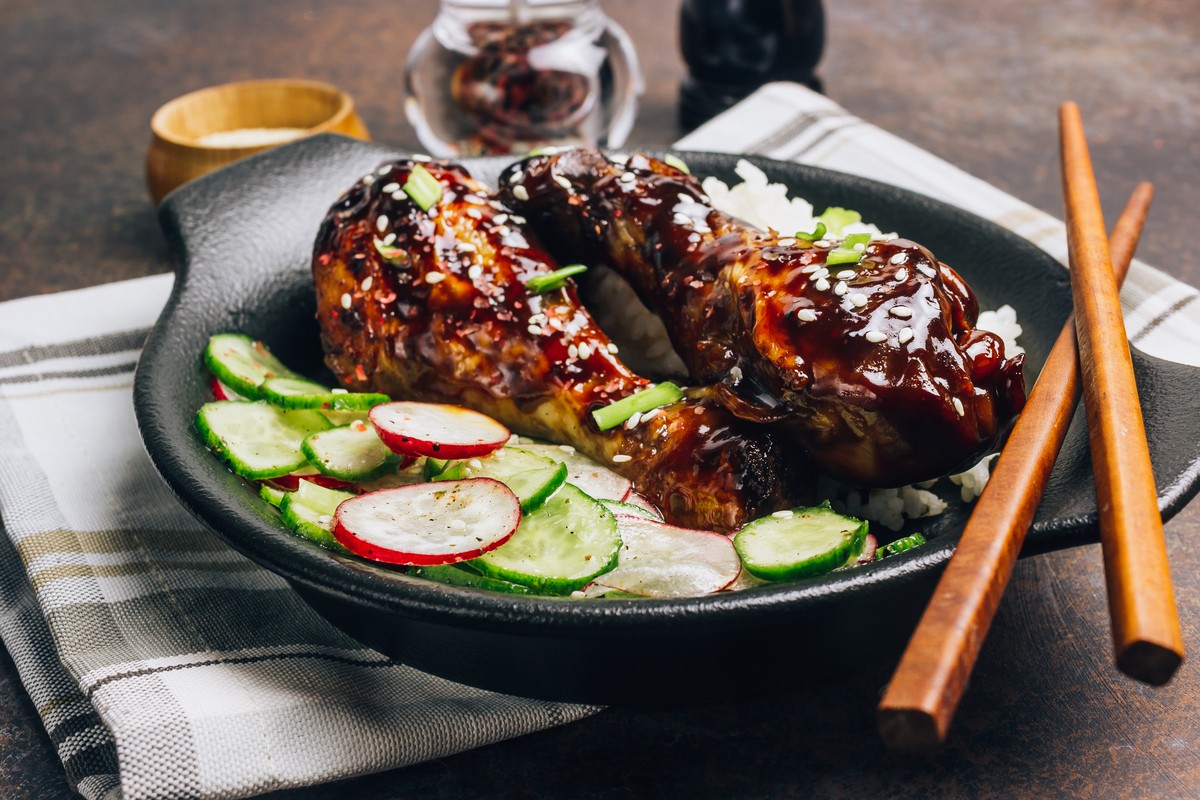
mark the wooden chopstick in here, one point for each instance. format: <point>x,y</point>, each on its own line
<point>929,681</point>
<point>1141,601</point>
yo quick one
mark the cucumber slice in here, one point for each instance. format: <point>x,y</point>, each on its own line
<point>454,576</point>
<point>440,469</point>
<point>806,542</point>
<point>352,453</point>
<point>303,393</point>
<point>242,364</point>
<point>532,478</point>
<point>661,560</point>
<point>560,547</point>
<point>595,479</point>
<point>617,507</point>
<point>271,494</point>
<point>309,512</point>
<point>258,440</point>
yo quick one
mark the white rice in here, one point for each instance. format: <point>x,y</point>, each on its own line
<point>645,346</point>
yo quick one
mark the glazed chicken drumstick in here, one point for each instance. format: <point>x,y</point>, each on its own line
<point>433,305</point>
<point>872,362</point>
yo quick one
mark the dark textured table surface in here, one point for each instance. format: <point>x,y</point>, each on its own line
<point>978,84</point>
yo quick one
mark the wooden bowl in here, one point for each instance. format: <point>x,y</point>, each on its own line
<point>242,116</point>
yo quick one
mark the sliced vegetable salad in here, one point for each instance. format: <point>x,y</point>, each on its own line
<point>450,495</point>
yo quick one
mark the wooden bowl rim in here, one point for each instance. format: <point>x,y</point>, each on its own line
<point>160,129</point>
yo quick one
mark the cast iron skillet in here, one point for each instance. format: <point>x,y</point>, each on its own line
<point>243,240</point>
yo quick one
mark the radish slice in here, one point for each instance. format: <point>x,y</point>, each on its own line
<point>870,545</point>
<point>428,523</point>
<point>222,392</point>
<point>436,430</point>
<point>290,483</point>
<point>660,560</point>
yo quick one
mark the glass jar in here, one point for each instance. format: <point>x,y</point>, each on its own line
<point>500,76</point>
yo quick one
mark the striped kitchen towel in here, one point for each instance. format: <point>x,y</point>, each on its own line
<point>165,665</point>
<point>792,123</point>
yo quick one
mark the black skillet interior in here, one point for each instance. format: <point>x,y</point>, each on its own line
<point>243,239</point>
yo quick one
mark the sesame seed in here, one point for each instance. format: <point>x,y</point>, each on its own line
<point>340,390</point>
<point>566,448</point>
<point>612,348</point>
<point>846,275</point>
<point>573,351</point>
<point>500,219</point>
<point>785,514</point>
<point>391,187</point>
<point>899,258</point>
<point>621,458</point>
<point>822,285</point>
<point>563,182</point>
<point>875,337</point>
<point>651,414</point>
<point>346,300</point>
<point>840,288</point>
<point>906,335</point>
<point>475,272</point>
<point>367,282</point>
<point>926,270</point>
<point>682,219</point>
<point>786,242</point>
<point>535,330</point>
<point>520,193</point>
<point>515,178</point>
<point>628,177</point>
<point>585,351</point>
<point>435,277</point>
<point>389,240</point>
<point>468,247</point>
<point>858,248</point>
<point>381,223</point>
<point>806,315</point>
<point>821,243</point>
<point>903,312</point>
<point>368,179</point>
<point>474,213</point>
<point>421,157</point>
<point>685,198</point>
<point>634,419</point>
<point>475,463</point>
<point>501,230</point>
<point>517,219</point>
<point>821,272</point>
<point>958,406</point>
<point>735,374</point>
<point>398,195</point>
<point>902,274</point>
<point>458,524</point>
<point>857,299</point>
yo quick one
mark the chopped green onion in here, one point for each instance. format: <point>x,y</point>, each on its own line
<point>616,413</point>
<point>391,253</point>
<point>539,284</point>
<point>900,545</point>
<point>852,241</point>
<point>841,255</point>
<point>817,233</point>
<point>676,162</point>
<point>837,218</point>
<point>423,188</point>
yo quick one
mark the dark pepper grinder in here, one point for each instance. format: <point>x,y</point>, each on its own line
<point>732,47</point>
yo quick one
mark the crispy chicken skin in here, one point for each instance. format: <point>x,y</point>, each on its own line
<point>874,367</point>
<point>432,305</point>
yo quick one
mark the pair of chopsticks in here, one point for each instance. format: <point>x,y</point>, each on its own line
<point>920,701</point>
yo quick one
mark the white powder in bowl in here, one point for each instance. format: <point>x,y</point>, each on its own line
<point>250,137</point>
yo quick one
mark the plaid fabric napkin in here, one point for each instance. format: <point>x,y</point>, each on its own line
<point>165,665</point>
